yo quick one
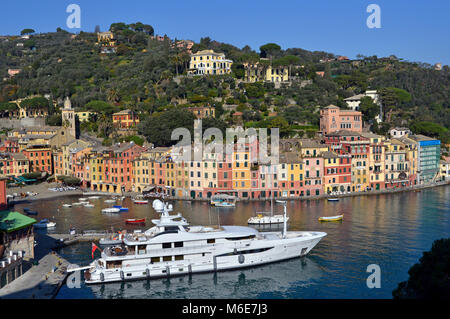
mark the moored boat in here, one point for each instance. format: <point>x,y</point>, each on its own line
<point>67,205</point>
<point>140,200</point>
<point>333,199</point>
<point>31,212</point>
<point>135,220</point>
<point>44,223</point>
<point>122,209</point>
<point>223,200</point>
<point>331,218</point>
<point>111,210</point>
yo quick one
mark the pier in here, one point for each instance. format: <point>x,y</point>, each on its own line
<point>63,240</point>
<point>41,281</point>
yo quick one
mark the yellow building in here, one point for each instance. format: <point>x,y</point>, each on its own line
<point>241,175</point>
<point>106,38</point>
<point>141,176</point>
<point>396,164</point>
<point>311,148</point>
<point>209,62</point>
<point>63,157</point>
<point>376,160</point>
<point>259,72</point>
<point>83,116</point>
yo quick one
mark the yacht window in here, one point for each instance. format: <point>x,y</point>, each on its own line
<point>167,245</point>
<point>167,258</point>
<point>211,241</point>
<point>179,257</point>
<point>171,228</point>
<point>241,238</point>
<point>178,244</point>
<point>155,259</point>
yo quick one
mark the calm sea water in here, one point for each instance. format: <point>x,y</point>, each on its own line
<point>391,231</point>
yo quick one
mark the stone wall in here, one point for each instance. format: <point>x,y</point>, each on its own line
<point>25,244</point>
<point>19,123</point>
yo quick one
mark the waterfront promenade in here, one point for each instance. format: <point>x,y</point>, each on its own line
<point>43,193</point>
<point>41,281</point>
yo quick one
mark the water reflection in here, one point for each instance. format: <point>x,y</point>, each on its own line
<point>277,278</point>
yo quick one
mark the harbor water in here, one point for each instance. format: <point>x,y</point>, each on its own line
<point>390,230</point>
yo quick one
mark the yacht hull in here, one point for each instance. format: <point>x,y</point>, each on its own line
<point>218,258</point>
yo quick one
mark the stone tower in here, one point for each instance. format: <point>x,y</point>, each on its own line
<point>68,118</point>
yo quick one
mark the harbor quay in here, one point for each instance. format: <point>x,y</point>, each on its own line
<point>40,277</point>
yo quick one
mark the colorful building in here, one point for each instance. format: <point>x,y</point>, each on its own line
<point>40,158</point>
<point>396,165</point>
<point>208,62</point>
<point>376,160</point>
<point>332,119</point>
<point>125,119</point>
<point>337,172</point>
<point>202,112</point>
<point>429,150</point>
<point>264,72</point>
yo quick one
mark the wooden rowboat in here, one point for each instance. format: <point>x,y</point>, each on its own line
<point>135,221</point>
<point>331,218</point>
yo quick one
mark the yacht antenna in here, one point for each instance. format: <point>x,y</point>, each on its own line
<point>284,218</point>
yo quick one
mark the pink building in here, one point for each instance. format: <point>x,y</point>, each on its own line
<point>334,119</point>
<point>12,72</point>
<point>313,168</point>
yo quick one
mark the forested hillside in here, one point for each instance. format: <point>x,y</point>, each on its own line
<point>149,76</point>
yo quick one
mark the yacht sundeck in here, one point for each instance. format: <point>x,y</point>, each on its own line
<point>172,248</point>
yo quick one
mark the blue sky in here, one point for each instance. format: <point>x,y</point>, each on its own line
<point>413,30</point>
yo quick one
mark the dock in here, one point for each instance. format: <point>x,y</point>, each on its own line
<point>41,281</point>
<point>86,236</point>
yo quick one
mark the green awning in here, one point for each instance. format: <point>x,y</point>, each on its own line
<point>12,221</point>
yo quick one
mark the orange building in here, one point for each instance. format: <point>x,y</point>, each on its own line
<point>334,119</point>
<point>40,157</point>
<point>202,111</point>
<point>125,119</point>
<point>3,199</point>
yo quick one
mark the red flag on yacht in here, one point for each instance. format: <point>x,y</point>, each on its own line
<point>94,247</point>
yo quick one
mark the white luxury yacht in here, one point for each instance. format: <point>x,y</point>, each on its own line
<point>172,248</point>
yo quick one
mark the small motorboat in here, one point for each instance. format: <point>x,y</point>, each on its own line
<point>31,212</point>
<point>26,209</point>
<point>333,199</point>
<point>82,199</point>
<point>77,204</point>
<point>140,200</point>
<point>66,205</point>
<point>111,210</point>
<point>88,205</point>
<point>135,220</point>
<point>44,223</point>
<point>94,197</point>
<point>110,201</point>
<point>331,218</point>
<point>122,209</point>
